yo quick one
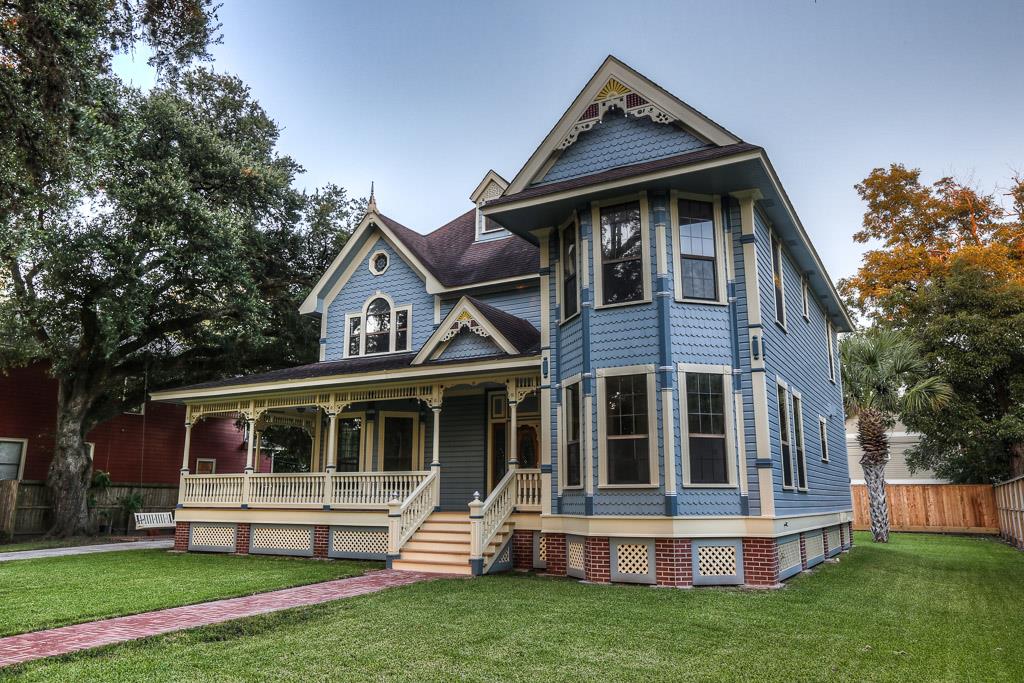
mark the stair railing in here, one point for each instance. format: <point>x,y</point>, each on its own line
<point>488,516</point>
<point>406,516</point>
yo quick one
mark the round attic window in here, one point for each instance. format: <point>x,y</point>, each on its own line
<point>379,263</point>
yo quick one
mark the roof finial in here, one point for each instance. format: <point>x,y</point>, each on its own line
<point>372,205</point>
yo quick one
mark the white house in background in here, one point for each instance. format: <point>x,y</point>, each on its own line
<point>896,471</point>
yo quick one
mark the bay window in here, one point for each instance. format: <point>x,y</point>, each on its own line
<point>570,268</point>
<point>626,427</point>
<point>621,271</point>
<point>698,258</point>
<point>572,475</point>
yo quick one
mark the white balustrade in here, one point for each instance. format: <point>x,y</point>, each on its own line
<point>215,490</point>
<point>405,517</point>
<point>374,488</point>
<point>528,489</point>
<point>487,518</point>
<point>286,490</point>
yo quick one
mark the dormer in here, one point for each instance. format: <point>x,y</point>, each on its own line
<point>491,187</point>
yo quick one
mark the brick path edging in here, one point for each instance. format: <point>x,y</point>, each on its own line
<point>66,639</point>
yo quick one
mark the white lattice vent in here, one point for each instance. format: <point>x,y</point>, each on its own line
<point>574,551</point>
<point>789,554</point>
<point>834,540</point>
<point>209,536</point>
<point>632,558</point>
<point>542,548</point>
<point>506,555</point>
<point>280,537</point>
<point>814,544</point>
<point>360,541</point>
<point>716,560</point>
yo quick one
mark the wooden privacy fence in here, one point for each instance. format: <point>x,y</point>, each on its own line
<point>25,505</point>
<point>1010,504</point>
<point>964,508</point>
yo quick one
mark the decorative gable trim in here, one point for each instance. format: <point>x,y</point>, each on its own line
<point>616,84</point>
<point>463,316</point>
<point>324,290</point>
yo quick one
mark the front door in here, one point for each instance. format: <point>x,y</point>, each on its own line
<point>528,445</point>
<point>527,449</point>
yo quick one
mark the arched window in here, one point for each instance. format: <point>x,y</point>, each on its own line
<point>382,327</point>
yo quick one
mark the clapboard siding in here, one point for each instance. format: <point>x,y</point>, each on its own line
<point>463,450</point>
<point>468,344</point>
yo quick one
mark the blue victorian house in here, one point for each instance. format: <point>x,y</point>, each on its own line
<point>619,366</point>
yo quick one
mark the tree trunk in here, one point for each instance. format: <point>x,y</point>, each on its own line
<point>70,470</point>
<point>875,448</point>
<point>1016,458</point>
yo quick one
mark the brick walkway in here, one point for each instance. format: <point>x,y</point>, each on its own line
<point>160,543</point>
<point>58,641</point>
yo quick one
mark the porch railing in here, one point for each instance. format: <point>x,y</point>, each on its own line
<point>312,490</point>
<point>406,516</point>
<point>528,490</point>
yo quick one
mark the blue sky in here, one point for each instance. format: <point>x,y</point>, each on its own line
<point>424,98</point>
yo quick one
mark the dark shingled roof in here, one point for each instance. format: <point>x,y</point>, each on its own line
<point>454,256</point>
<point>626,172</point>
<point>520,333</point>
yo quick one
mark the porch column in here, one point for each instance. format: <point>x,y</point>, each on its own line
<point>332,442</point>
<point>513,445</point>
<point>435,460</point>
<point>314,447</point>
<point>258,453</point>
<point>188,446</point>
<point>251,424</point>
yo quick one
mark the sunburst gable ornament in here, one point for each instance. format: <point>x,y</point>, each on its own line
<point>611,89</point>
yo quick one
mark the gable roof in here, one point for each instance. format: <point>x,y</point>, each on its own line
<point>448,258</point>
<point>617,84</point>
<point>513,335</point>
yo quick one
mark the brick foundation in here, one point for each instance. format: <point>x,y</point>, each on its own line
<point>522,550</point>
<point>803,553</point>
<point>824,542</point>
<point>242,538</point>
<point>673,561</point>
<point>181,530</point>
<point>849,533</point>
<point>556,554</point>
<point>597,560</point>
<point>320,535</point>
<point>761,561</point>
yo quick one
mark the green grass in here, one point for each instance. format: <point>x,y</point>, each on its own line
<point>47,543</point>
<point>923,608</point>
<point>55,591</point>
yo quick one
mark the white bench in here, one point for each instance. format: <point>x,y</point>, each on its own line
<point>154,520</point>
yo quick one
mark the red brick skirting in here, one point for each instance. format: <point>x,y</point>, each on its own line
<point>522,549</point>
<point>555,554</point>
<point>181,530</point>
<point>242,538</point>
<point>320,535</point>
<point>596,563</point>
<point>760,562</point>
<point>673,561</point>
<point>824,542</point>
<point>849,533</point>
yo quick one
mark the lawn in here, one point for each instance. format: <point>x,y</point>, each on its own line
<point>37,594</point>
<point>922,608</point>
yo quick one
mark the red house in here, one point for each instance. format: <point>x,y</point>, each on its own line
<point>141,447</point>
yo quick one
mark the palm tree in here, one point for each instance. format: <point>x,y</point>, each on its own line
<point>884,378</point>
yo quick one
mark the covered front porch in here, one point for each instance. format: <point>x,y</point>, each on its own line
<point>382,459</point>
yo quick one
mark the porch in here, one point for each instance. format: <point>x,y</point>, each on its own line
<point>383,460</point>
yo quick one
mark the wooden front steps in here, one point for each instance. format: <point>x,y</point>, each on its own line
<point>442,545</point>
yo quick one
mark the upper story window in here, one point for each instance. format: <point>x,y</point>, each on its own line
<point>807,299</point>
<point>798,439</point>
<point>379,262</point>
<point>380,328</point>
<point>570,271</point>
<point>780,291</point>
<point>823,437</point>
<point>831,351</point>
<point>622,277</point>
<point>697,250</point>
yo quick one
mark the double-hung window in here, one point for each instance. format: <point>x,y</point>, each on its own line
<point>831,351</point>
<point>626,428</point>
<point>380,328</point>
<point>570,272</point>
<point>698,256</point>
<point>806,299</point>
<point>787,455</point>
<point>706,421</point>
<point>798,441</point>
<point>823,436</point>
<point>780,290</point>
<point>622,271</point>
<point>572,475</point>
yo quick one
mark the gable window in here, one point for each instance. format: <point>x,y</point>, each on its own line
<point>831,351</point>
<point>626,417</point>
<point>620,246</point>
<point>798,430</point>
<point>570,268</point>
<point>707,419</point>
<point>823,436</point>
<point>572,469</point>
<point>787,456</point>
<point>379,262</point>
<point>780,293</point>
<point>380,328</point>
<point>698,258</point>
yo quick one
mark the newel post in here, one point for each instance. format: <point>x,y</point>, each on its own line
<point>394,529</point>
<point>476,534</point>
